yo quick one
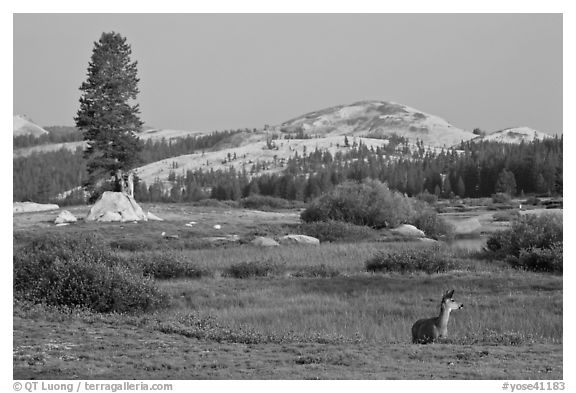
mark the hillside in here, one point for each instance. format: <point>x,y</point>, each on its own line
<point>379,119</point>
<point>253,149</point>
<point>22,125</point>
<point>147,134</point>
<point>514,135</point>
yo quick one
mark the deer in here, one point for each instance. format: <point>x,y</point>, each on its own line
<point>425,331</point>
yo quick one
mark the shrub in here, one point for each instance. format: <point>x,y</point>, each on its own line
<point>133,245</point>
<point>78,271</point>
<point>425,196</point>
<point>529,231</point>
<point>264,202</point>
<point>369,203</point>
<point>316,271</point>
<point>429,260</point>
<point>532,200</point>
<point>215,203</point>
<point>249,269</point>
<point>539,259</point>
<point>331,231</point>
<point>508,215</point>
<point>500,197</point>
<point>165,265</point>
<point>432,224</point>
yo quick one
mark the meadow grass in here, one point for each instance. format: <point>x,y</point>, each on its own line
<point>511,308</point>
<point>341,258</point>
<point>309,297</point>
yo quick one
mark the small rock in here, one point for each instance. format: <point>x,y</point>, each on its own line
<point>299,239</point>
<point>217,226</point>
<point>62,224</point>
<point>65,217</point>
<point>215,239</point>
<point>408,230</point>
<point>262,241</point>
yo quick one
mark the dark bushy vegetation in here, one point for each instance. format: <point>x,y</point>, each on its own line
<point>317,271</point>
<point>134,245</point>
<point>371,203</point>
<point>264,202</point>
<point>429,260</point>
<point>501,197</point>
<point>249,269</point>
<point>507,215</point>
<point>432,224</point>
<point>539,259</point>
<point>79,271</point>
<point>533,243</point>
<point>165,265</point>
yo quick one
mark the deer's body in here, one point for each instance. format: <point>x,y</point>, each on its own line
<point>428,330</point>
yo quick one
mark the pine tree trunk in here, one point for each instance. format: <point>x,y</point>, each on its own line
<point>119,180</point>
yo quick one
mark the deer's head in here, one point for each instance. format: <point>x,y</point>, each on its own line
<point>448,302</point>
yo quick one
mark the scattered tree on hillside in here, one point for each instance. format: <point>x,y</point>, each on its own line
<point>107,115</point>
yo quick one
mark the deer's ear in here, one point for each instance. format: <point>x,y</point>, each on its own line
<point>450,293</point>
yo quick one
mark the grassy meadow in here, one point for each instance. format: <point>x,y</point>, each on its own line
<point>235,311</point>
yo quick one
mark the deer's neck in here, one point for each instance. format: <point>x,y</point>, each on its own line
<point>443,319</point>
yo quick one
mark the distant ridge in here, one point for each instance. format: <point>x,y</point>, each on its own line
<point>379,119</point>
<point>514,135</point>
<point>22,125</point>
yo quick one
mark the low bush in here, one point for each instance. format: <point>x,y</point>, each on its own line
<point>430,199</point>
<point>265,202</point>
<point>133,245</point>
<point>317,271</point>
<point>249,269</point>
<point>167,243</point>
<point>429,260</point>
<point>216,203</point>
<point>532,200</point>
<point>528,231</point>
<point>507,215</point>
<point>79,271</point>
<point>432,224</point>
<point>333,231</point>
<point>501,197</point>
<point>165,265</point>
<point>369,203</point>
<point>539,259</point>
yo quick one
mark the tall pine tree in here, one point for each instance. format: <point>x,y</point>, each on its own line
<point>108,116</point>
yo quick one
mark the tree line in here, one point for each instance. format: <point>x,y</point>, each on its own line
<point>475,169</point>
<point>56,134</point>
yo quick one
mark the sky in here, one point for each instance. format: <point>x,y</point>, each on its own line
<point>208,72</point>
